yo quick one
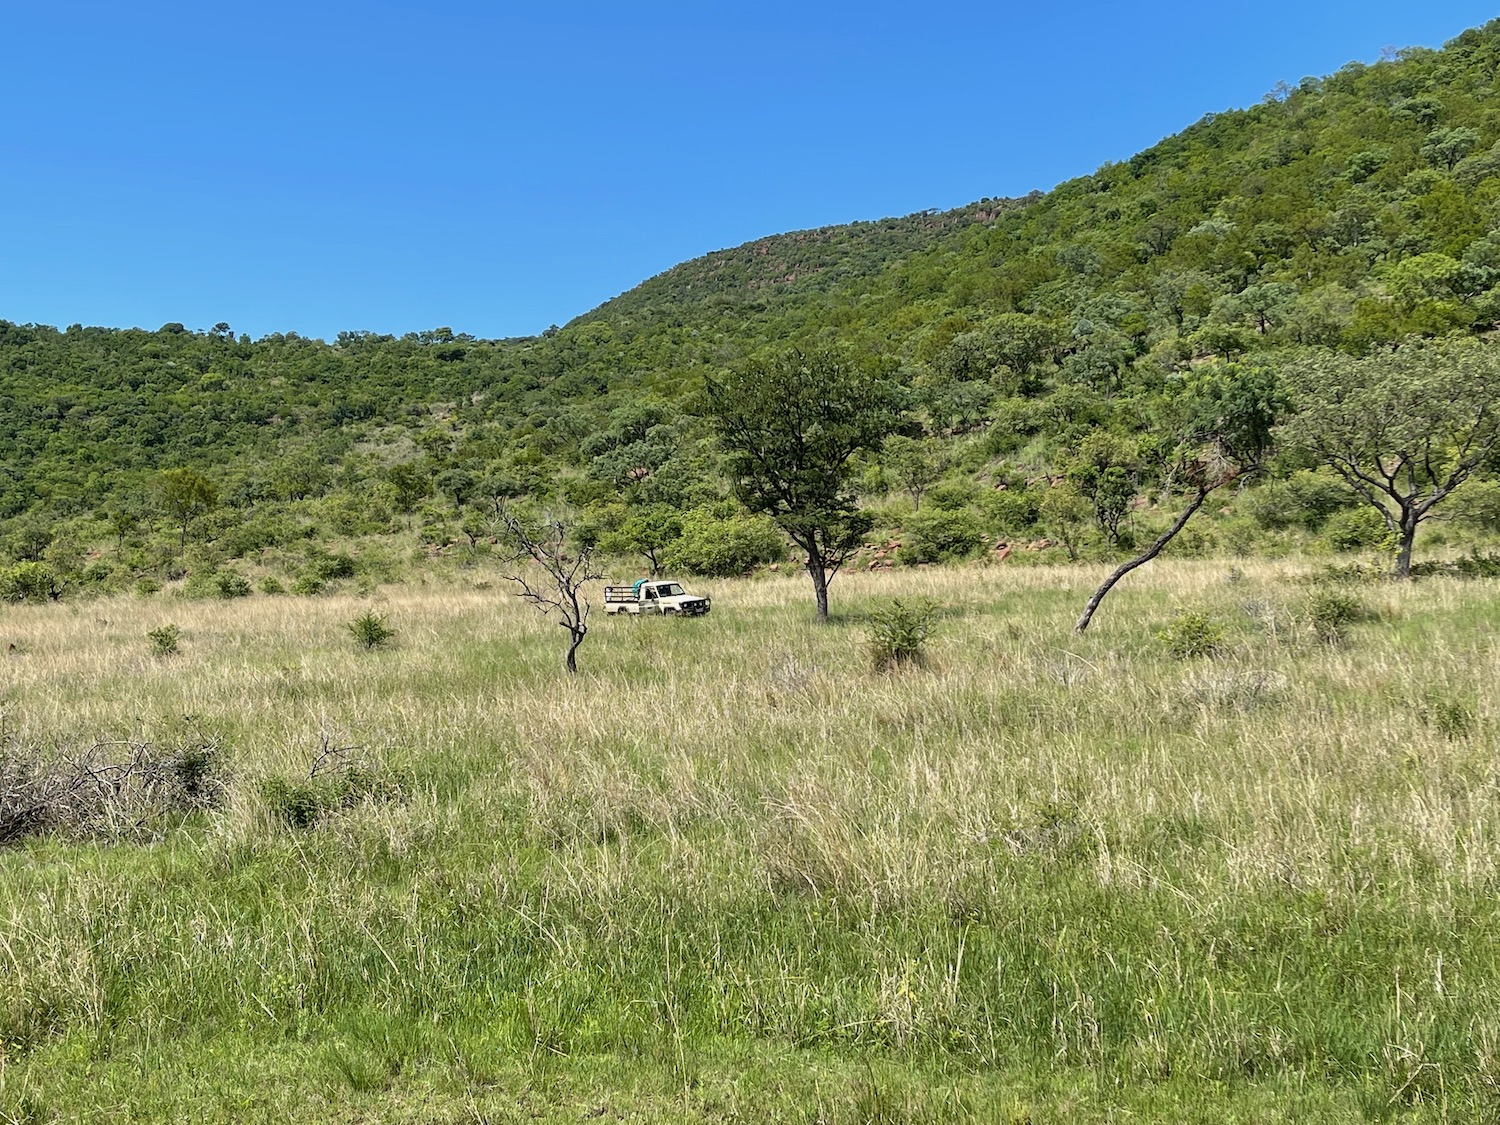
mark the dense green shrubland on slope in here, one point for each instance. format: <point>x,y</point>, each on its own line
<point>1351,212</point>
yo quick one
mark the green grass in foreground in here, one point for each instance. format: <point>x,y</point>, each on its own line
<point>733,874</point>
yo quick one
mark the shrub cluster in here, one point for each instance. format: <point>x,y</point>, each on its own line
<point>336,781</point>
<point>164,640</point>
<point>1331,611</point>
<point>29,582</point>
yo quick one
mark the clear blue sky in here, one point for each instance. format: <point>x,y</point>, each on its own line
<point>498,167</point>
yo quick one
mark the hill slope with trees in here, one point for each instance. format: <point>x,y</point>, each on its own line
<point>1038,343</point>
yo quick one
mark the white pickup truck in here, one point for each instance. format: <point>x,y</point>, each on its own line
<point>649,596</point>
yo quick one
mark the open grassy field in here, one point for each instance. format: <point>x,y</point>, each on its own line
<point>731,873</point>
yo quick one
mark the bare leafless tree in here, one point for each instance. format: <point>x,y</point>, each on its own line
<point>559,574</point>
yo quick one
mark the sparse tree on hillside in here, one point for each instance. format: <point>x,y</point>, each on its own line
<point>646,532</point>
<point>791,425</point>
<point>915,463</point>
<point>184,495</point>
<point>1404,428</point>
<point>411,483</point>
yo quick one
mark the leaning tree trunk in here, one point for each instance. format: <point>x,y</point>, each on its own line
<point>1141,559</point>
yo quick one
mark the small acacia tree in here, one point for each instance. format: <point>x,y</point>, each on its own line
<point>916,464</point>
<point>1215,430</point>
<point>184,495</point>
<point>559,574</point>
<point>1404,428</point>
<point>790,425</point>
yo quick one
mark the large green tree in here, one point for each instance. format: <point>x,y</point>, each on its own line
<point>790,425</point>
<point>1404,428</point>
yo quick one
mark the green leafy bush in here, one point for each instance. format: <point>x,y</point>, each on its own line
<point>1356,529</point>
<point>29,582</point>
<point>1192,634</point>
<point>899,633</point>
<point>258,532</point>
<point>165,640</point>
<point>1305,499</point>
<point>1472,565</point>
<point>722,547</point>
<point>1331,611</point>
<point>370,630</point>
<point>231,585</point>
<point>953,495</point>
<point>337,565</point>
<point>1446,712</point>
<point>934,537</point>
<point>1012,510</point>
<point>1477,504</point>
<point>302,802</point>
<point>307,584</point>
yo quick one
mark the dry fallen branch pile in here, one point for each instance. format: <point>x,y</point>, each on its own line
<point>104,789</point>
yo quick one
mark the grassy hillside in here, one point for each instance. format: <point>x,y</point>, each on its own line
<point>733,874</point>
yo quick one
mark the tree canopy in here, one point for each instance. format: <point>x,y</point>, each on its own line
<point>791,424</point>
<point>1403,428</point>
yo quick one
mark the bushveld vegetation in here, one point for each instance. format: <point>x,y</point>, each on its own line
<point>1038,360</point>
<point>732,872</point>
<point>1229,856</point>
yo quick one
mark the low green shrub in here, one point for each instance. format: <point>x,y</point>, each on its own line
<point>302,802</point>
<point>1331,611</point>
<point>1472,565</point>
<point>722,547</point>
<point>307,585</point>
<point>165,640</point>
<point>231,585</point>
<point>29,582</point>
<point>337,565</point>
<point>1446,712</point>
<point>941,536</point>
<point>1012,510</point>
<point>954,495</point>
<point>1356,529</point>
<point>370,630</point>
<point>1192,634</point>
<point>1476,504</point>
<point>1305,499</point>
<point>899,633</point>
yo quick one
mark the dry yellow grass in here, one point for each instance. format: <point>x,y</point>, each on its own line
<point>1293,754</point>
<point>1063,855</point>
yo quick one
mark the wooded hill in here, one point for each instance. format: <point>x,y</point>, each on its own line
<point>1348,213</point>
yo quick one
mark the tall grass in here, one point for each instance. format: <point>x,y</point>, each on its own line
<point>730,872</point>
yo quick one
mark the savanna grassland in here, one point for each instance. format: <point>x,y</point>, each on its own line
<point>731,873</point>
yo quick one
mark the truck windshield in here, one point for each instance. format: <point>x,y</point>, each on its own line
<point>670,590</point>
